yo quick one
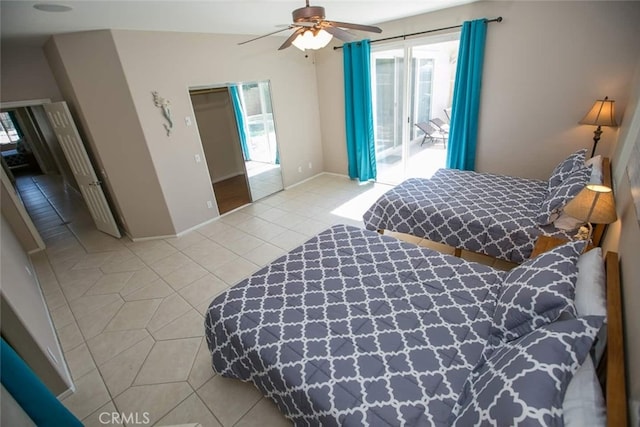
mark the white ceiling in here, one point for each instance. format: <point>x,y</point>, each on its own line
<point>22,24</point>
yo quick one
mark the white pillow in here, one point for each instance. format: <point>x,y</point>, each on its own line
<point>596,169</point>
<point>583,403</point>
<point>567,222</point>
<point>591,297</point>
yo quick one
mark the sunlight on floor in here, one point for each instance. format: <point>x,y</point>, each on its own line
<point>357,206</point>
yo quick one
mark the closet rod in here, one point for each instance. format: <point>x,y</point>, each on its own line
<point>404,36</point>
<point>211,90</point>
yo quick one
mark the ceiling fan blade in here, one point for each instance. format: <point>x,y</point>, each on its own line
<point>369,28</point>
<point>266,35</point>
<point>339,33</point>
<point>291,38</point>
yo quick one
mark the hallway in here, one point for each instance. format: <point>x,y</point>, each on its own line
<point>59,213</point>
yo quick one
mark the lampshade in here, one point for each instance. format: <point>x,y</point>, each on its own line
<point>593,204</point>
<point>601,114</point>
<point>312,39</point>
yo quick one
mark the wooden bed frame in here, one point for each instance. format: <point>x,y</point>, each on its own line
<point>612,366</point>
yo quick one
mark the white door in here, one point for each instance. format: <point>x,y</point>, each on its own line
<point>90,186</point>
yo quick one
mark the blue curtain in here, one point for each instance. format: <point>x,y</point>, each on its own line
<point>463,132</point>
<point>31,394</point>
<point>237,109</point>
<point>361,150</point>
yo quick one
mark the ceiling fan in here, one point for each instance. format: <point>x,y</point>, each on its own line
<point>313,31</point>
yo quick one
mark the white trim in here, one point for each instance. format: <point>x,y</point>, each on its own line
<point>237,209</point>
<point>68,380</point>
<point>180,234</point>
<point>146,239</point>
<point>26,103</point>
<point>341,175</point>
<point>304,180</point>
<point>71,390</point>
<point>195,227</point>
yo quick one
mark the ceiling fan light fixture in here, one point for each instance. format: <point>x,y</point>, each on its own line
<point>312,39</point>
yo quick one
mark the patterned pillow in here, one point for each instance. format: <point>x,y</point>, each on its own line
<point>565,167</point>
<point>552,206</point>
<point>536,292</point>
<point>524,381</point>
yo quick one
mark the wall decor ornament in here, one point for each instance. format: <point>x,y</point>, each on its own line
<point>164,105</point>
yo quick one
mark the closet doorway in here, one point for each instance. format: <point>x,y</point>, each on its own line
<point>238,135</point>
<point>216,123</point>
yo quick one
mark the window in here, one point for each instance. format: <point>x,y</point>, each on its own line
<point>261,137</point>
<point>9,131</point>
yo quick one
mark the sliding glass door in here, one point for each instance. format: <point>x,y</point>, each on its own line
<point>412,83</point>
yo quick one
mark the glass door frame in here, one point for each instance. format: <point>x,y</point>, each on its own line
<point>407,85</point>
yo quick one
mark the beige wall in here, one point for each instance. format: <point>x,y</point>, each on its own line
<point>90,76</point>
<point>171,63</point>
<point>17,217</point>
<point>26,75</point>
<point>108,76</point>
<point>624,237</point>
<point>26,324</point>
<point>545,64</point>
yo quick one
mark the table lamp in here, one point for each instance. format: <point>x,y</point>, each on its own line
<point>594,204</point>
<point>601,114</point>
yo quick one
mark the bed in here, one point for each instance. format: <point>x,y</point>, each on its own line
<point>356,328</point>
<point>496,215</point>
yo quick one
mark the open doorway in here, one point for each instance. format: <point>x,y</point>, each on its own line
<point>215,119</point>
<point>63,166</point>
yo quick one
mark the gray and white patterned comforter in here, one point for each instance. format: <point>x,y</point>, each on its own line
<point>353,328</point>
<point>480,212</point>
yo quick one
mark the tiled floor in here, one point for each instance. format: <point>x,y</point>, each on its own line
<point>129,315</point>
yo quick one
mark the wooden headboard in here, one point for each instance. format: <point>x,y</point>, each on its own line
<point>612,365</point>
<point>599,229</point>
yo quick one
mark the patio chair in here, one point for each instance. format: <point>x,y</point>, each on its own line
<point>441,125</point>
<point>447,112</point>
<point>431,133</point>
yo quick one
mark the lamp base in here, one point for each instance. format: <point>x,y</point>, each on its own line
<point>584,233</point>
<point>596,138</point>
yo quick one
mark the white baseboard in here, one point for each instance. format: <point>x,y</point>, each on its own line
<point>146,239</point>
<point>68,392</point>
<point>303,181</point>
<point>341,175</point>
<point>315,176</point>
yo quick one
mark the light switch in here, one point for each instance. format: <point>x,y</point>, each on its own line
<point>187,121</point>
<point>198,158</point>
